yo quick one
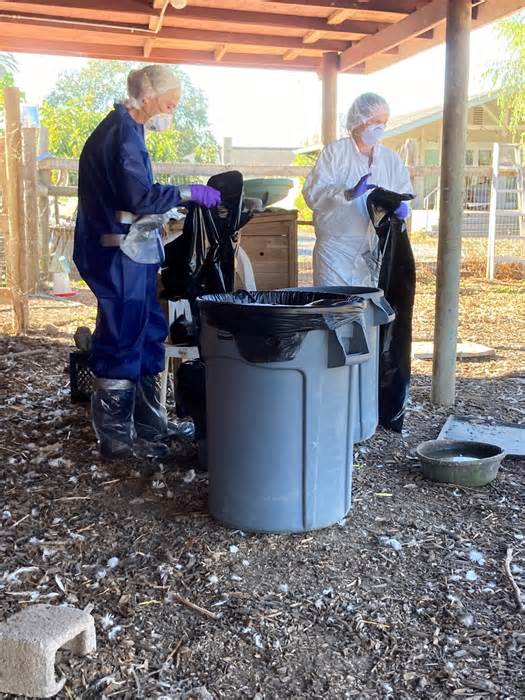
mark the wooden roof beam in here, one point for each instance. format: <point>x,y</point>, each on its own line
<point>337,17</point>
<point>412,26</point>
<point>382,10</point>
<point>291,55</point>
<point>312,37</point>
<point>220,53</point>
<point>148,47</point>
<point>241,20</point>
<point>129,53</point>
<point>125,11</point>
<point>59,32</point>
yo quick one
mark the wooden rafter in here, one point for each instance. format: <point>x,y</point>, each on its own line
<point>337,17</point>
<point>420,21</point>
<point>369,34</point>
<point>381,10</point>
<point>148,46</point>
<point>168,35</point>
<point>220,53</point>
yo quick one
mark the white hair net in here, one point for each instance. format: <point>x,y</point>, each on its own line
<point>152,80</point>
<point>363,108</point>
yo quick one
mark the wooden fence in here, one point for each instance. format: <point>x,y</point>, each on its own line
<point>29,178</point>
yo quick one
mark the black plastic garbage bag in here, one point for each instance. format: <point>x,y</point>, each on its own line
<point>190,395</point>
<point>270,326</point>
<point>397,278</point>
<point>202,260</point>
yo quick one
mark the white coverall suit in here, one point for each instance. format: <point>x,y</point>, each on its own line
<point>344,234</point>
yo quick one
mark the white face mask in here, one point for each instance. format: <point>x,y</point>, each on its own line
<point>372,134</point>
<point>159,122</point>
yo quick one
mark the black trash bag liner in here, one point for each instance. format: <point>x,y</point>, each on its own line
<point>397,278</point>
<point>202,260</point>
<point>190,395</point>
<point>182,331</point>
<point>271,326</point>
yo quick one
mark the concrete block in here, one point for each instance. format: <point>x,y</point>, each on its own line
<point>29,641</point>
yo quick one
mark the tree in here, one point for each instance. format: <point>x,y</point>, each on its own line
<point>304,211</point>
<point>81,99</point>
<point>8,64</point>
<point>508,75</point>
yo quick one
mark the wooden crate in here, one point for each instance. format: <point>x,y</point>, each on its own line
<point>270,240</point>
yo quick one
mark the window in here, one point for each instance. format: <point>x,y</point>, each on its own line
<point>484,157</point>
<point>469,157</point>
<point>431,156</point>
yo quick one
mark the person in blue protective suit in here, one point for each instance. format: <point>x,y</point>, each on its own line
<point>115,192</point>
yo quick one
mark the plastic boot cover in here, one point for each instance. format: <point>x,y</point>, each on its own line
<point>151,419</point>
<point>112,404</point>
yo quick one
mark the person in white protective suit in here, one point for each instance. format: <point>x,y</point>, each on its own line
<point>345,250</point>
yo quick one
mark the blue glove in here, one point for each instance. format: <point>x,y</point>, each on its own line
<point>359,189</point>
<point>402,211</point>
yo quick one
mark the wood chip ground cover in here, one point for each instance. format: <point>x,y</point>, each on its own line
<point>406,598</point>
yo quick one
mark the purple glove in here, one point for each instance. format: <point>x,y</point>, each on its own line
<point>402,211</point>
<point>359,189</point>
<point>201,194</point>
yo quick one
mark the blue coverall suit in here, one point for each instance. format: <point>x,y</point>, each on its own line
<point>115,174</point>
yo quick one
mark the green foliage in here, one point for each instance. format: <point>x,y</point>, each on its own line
<point>8,64</point>
<point>508,75</point>
<point>82,98</point>
<point>6,80</point>
<point>308,160</point>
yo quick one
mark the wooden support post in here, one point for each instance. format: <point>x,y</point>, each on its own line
<point>30,140</point>
<point>44,179</point>
<point>329,68</point>
<point>16,257</point>
<point>451,201</point>
<point>227,153</point>
<point>493,206</point>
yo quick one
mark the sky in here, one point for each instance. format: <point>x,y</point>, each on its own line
<point>283,108</point>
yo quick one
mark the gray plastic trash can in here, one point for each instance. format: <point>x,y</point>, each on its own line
<point>365,377</point>
<point>279,431</point>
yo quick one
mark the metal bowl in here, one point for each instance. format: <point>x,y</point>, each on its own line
<point>460,462</point>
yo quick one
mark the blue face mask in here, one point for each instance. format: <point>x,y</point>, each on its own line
<point>159,122</point>
<point>372,134</point>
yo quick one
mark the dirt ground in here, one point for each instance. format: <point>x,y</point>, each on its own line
<point>406,598</point>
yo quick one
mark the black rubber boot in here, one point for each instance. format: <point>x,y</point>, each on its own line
<point>112,405</point>
<point>151,419</point>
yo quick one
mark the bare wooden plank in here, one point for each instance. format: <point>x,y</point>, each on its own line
<point>220,52</point>
<point>6,295</point>
<point>291,54</point>
<point>148,47</point>
<point>337,17</point>
<point>16,246</point>
<point>312,37</point>
<point>487,12</point>
<point>235,38</point>
<point>382,10</point>
<point>239,20</point>
<point>420,21</point>
<point>130,53</point>
<point>329,68</point>
<point>125,11</point>
<point>44,180</point>
<point>30,210</point>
